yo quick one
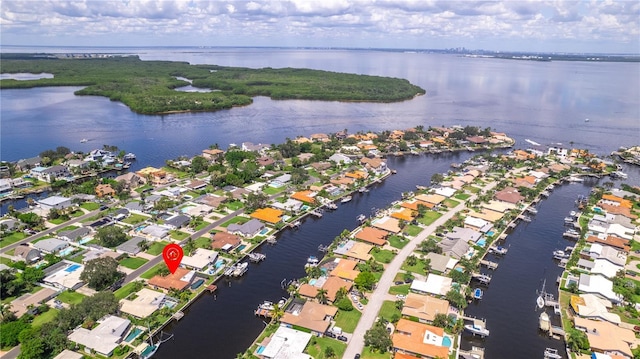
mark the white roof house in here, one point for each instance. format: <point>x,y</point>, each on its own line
<point>339,157</point>
<point>606,268</point>
<point>145,303</point>
<point>595,307</point>
<point>445,191</point>
<point>104,338</point>
<point>199,259</point>
<point>478,224</point>
<point>287,343</point>
<point>50,245</point>
<point>598,285</point>
<point>57,202</point>
<point>435,284</point>
<point>67,277</point>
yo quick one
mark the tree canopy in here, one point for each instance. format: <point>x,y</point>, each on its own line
<point>111,236</point>
<point>101,273</point>
<point>378,338</point>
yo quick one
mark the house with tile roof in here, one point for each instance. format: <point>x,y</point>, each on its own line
<point>313,316</point>
<point>423,308</point>
<point>179,280</point>
<point>372,235</point>
<point>269,215</point>
<point>419,339</point>
<point>607,338</point>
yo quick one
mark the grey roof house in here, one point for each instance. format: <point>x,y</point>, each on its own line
<point>248,229</point>
<point>27,253</point>
<point>131,246</point>
<point>75,234</point>
<point>51,245</point>
<point>177,221</point>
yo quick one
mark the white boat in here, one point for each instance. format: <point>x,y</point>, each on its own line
<point>477,329</point>
<point>477,293</point>
<point>551,353</point>
<point>363,190</point>
<point>499,250</point>
<point>543,322</point>
<point>345,199</point>
<point>83,140</point>
<point>129,156</point>
<point>586,120</point>
<point>541,295</point>
<point>312,261</point>
<point>526,218</point>
<point>257,257</point>
<point>544,194</point>
<point>361,218</point>
<point>619,174</point>
<point>568,220</point>
<point>241,269</point>
<point>573,213</point>
<point>420,188</point>
<point>532,210</point>
<point>331,205</point>
<point>560,254</point>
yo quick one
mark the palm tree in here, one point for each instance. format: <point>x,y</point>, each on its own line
<point>277,312</point>
<point>321,296</point>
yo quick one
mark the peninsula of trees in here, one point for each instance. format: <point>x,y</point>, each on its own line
<point>150,86</point>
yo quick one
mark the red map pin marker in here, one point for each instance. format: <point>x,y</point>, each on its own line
<point>172,254</point>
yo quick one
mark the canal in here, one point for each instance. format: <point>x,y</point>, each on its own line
<point>508,303</point>
<point>223,327</point>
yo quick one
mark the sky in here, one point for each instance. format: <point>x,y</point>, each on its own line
<point>591,26</point>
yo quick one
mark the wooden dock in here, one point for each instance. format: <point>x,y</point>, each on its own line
<point>489,264</point>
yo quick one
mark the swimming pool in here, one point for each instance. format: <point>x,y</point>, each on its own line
<point>187,209</point>
<point>446,342</point>
<point>72,268</point>
<point>260,350</point>
<point>490,233</point>
<point>304,207</point>
<point>66,251</point>
<point>264,231</point>
<point>481,242</point>
<point>133,334</point>
<point>85,240</point>
<point>241,247</point>
<point>312,282</point>
<point>598,210</point>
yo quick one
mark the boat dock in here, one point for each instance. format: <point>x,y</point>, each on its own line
<point>489,264</point>
<point>482,278</point>
<point>316,213</point>
<point>475,352</point>
<point>256,257</point>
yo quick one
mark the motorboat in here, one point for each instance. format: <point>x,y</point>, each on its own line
<point>363,190</point>
<point>312,261</point>
<point>83,140</point>
<point>569,220</point>
<point>361,218</point>
<point>560,254</point>
<point>257,257</point>
<point>541,295</point>
<point>241,269</point>
<point>573,213</point>
<point>532,210</point>
<point>619,174</point>
<point>551,353</point>
<point>477,293</point>
<point>526,218</point>
<point>129,157</point>
<point>346,199</point>
<point>331,205</point>
<point>499,250</point>
<point>544,322</point>
<point>477,329</point>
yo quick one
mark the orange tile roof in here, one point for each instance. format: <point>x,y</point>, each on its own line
<point>623,202</point>
<point>171,281</point>
<point>357,174</point>
<point>424,307</point>
<point>333,285</point>
<point>346,269</point>
<point>342,180</point>
<point>387,223</point>
<point>430,198</point>
<point>409,337</point>
<point>270,215</point>
<point>613,241</point>
<point>308,290</point>
<point>404,214</point>
<point>360,251</point>
<point>404,356</point>
<point>220,239</point>
<point>623,211</point>
<point>312,316</point>
<point>304,196</point>
<point>372,235</point>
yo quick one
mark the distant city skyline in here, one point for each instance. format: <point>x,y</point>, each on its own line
<point>527,26</point>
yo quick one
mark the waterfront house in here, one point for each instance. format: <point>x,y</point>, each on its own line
<point>456,248</point>
<point>404,214</point>
<point>131,247</point>
<point>22,304</point>
<point>590,306</point>
<point>212,154</point>
<point>248,229</point>
<point>51,245</point>
<point>391,225</point>
<point>600,286</point>
<point>289,204</point>
<point>441,263</point>
<point>211,200</point>
<point>285,343</point>
<point>606,267</point>
<point>413,204</point>
<point>25,165</point>
<point>269,215</point>
<point>424,308</point>
<point>144,303</point>
<point>466,234</point>
<point>477,224</point>
<point>356,250</point>
<point>27,254</point>
<point>74,235</point>
<point>419,339</point>
<point>50,174</point>
<point>57,202</point>
<point>154,175</point>
<point>312,316</point>
<point>343,268</point>
<point>377,165</point>
<point>130,180</point>
<point>607,338</point>
<point>265,161</point>
<point>331,284</point>
<point>200,259</point>
<point>5,186</point>
<point>225,241</point>
<point>445,191</point>
<point>509,195</point>
<point>179,280</point>
<point>319,137</point>
<point>305,196</point>
<point>372,235</point>
<point>251,147</point>
<point>618,243</point>
<point>339,158</point>
<point>104,338</point>
<point>432,199</point>
<point>435,284</point>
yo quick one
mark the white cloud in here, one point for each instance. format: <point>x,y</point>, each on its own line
<point>392,23</point>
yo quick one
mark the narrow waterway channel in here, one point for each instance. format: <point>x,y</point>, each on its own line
<point>508,303</point>
<point>223,327</point>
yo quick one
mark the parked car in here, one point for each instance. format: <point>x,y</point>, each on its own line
<point>637,328</point>
<point>357,356</point>
<point>330,334</point>
<point>342,338</point>
<point>360,306</point>
<point>401,296</point>
<point>103,207</point>
<point>398,282</point>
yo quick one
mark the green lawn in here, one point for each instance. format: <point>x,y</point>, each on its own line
<point>90,206</point>
<point>429,217</point>
<point>234,205</point>
<point>383,255</point>
<point>70,297</point>
<point>58,221</point>
<point>125,290</point>
<point>178,235</point>
<point>450,202</point>
<point>202,225</point>
<point>416,268</point>
<point>368,354</point>
<point>348,320</point>
<point>152,272</point>
<point>143,188</point>
<point>399,289</point>
<point>389,310</point>
<point>271,191</point>
<point>203,242</point>
<point>77,213</point>
<point>397,241</point>
<point>135,218</point>
<point>12,238</point>
<point>156,248</point>
<point>45,317</point>
<point>462,196</point>
<point>316,347</point>
<point>68,228</point>
<point>133,263</point>
<point>236,219</point>
<point>412,230</point>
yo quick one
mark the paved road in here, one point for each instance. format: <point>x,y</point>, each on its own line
<point>379,295</point>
